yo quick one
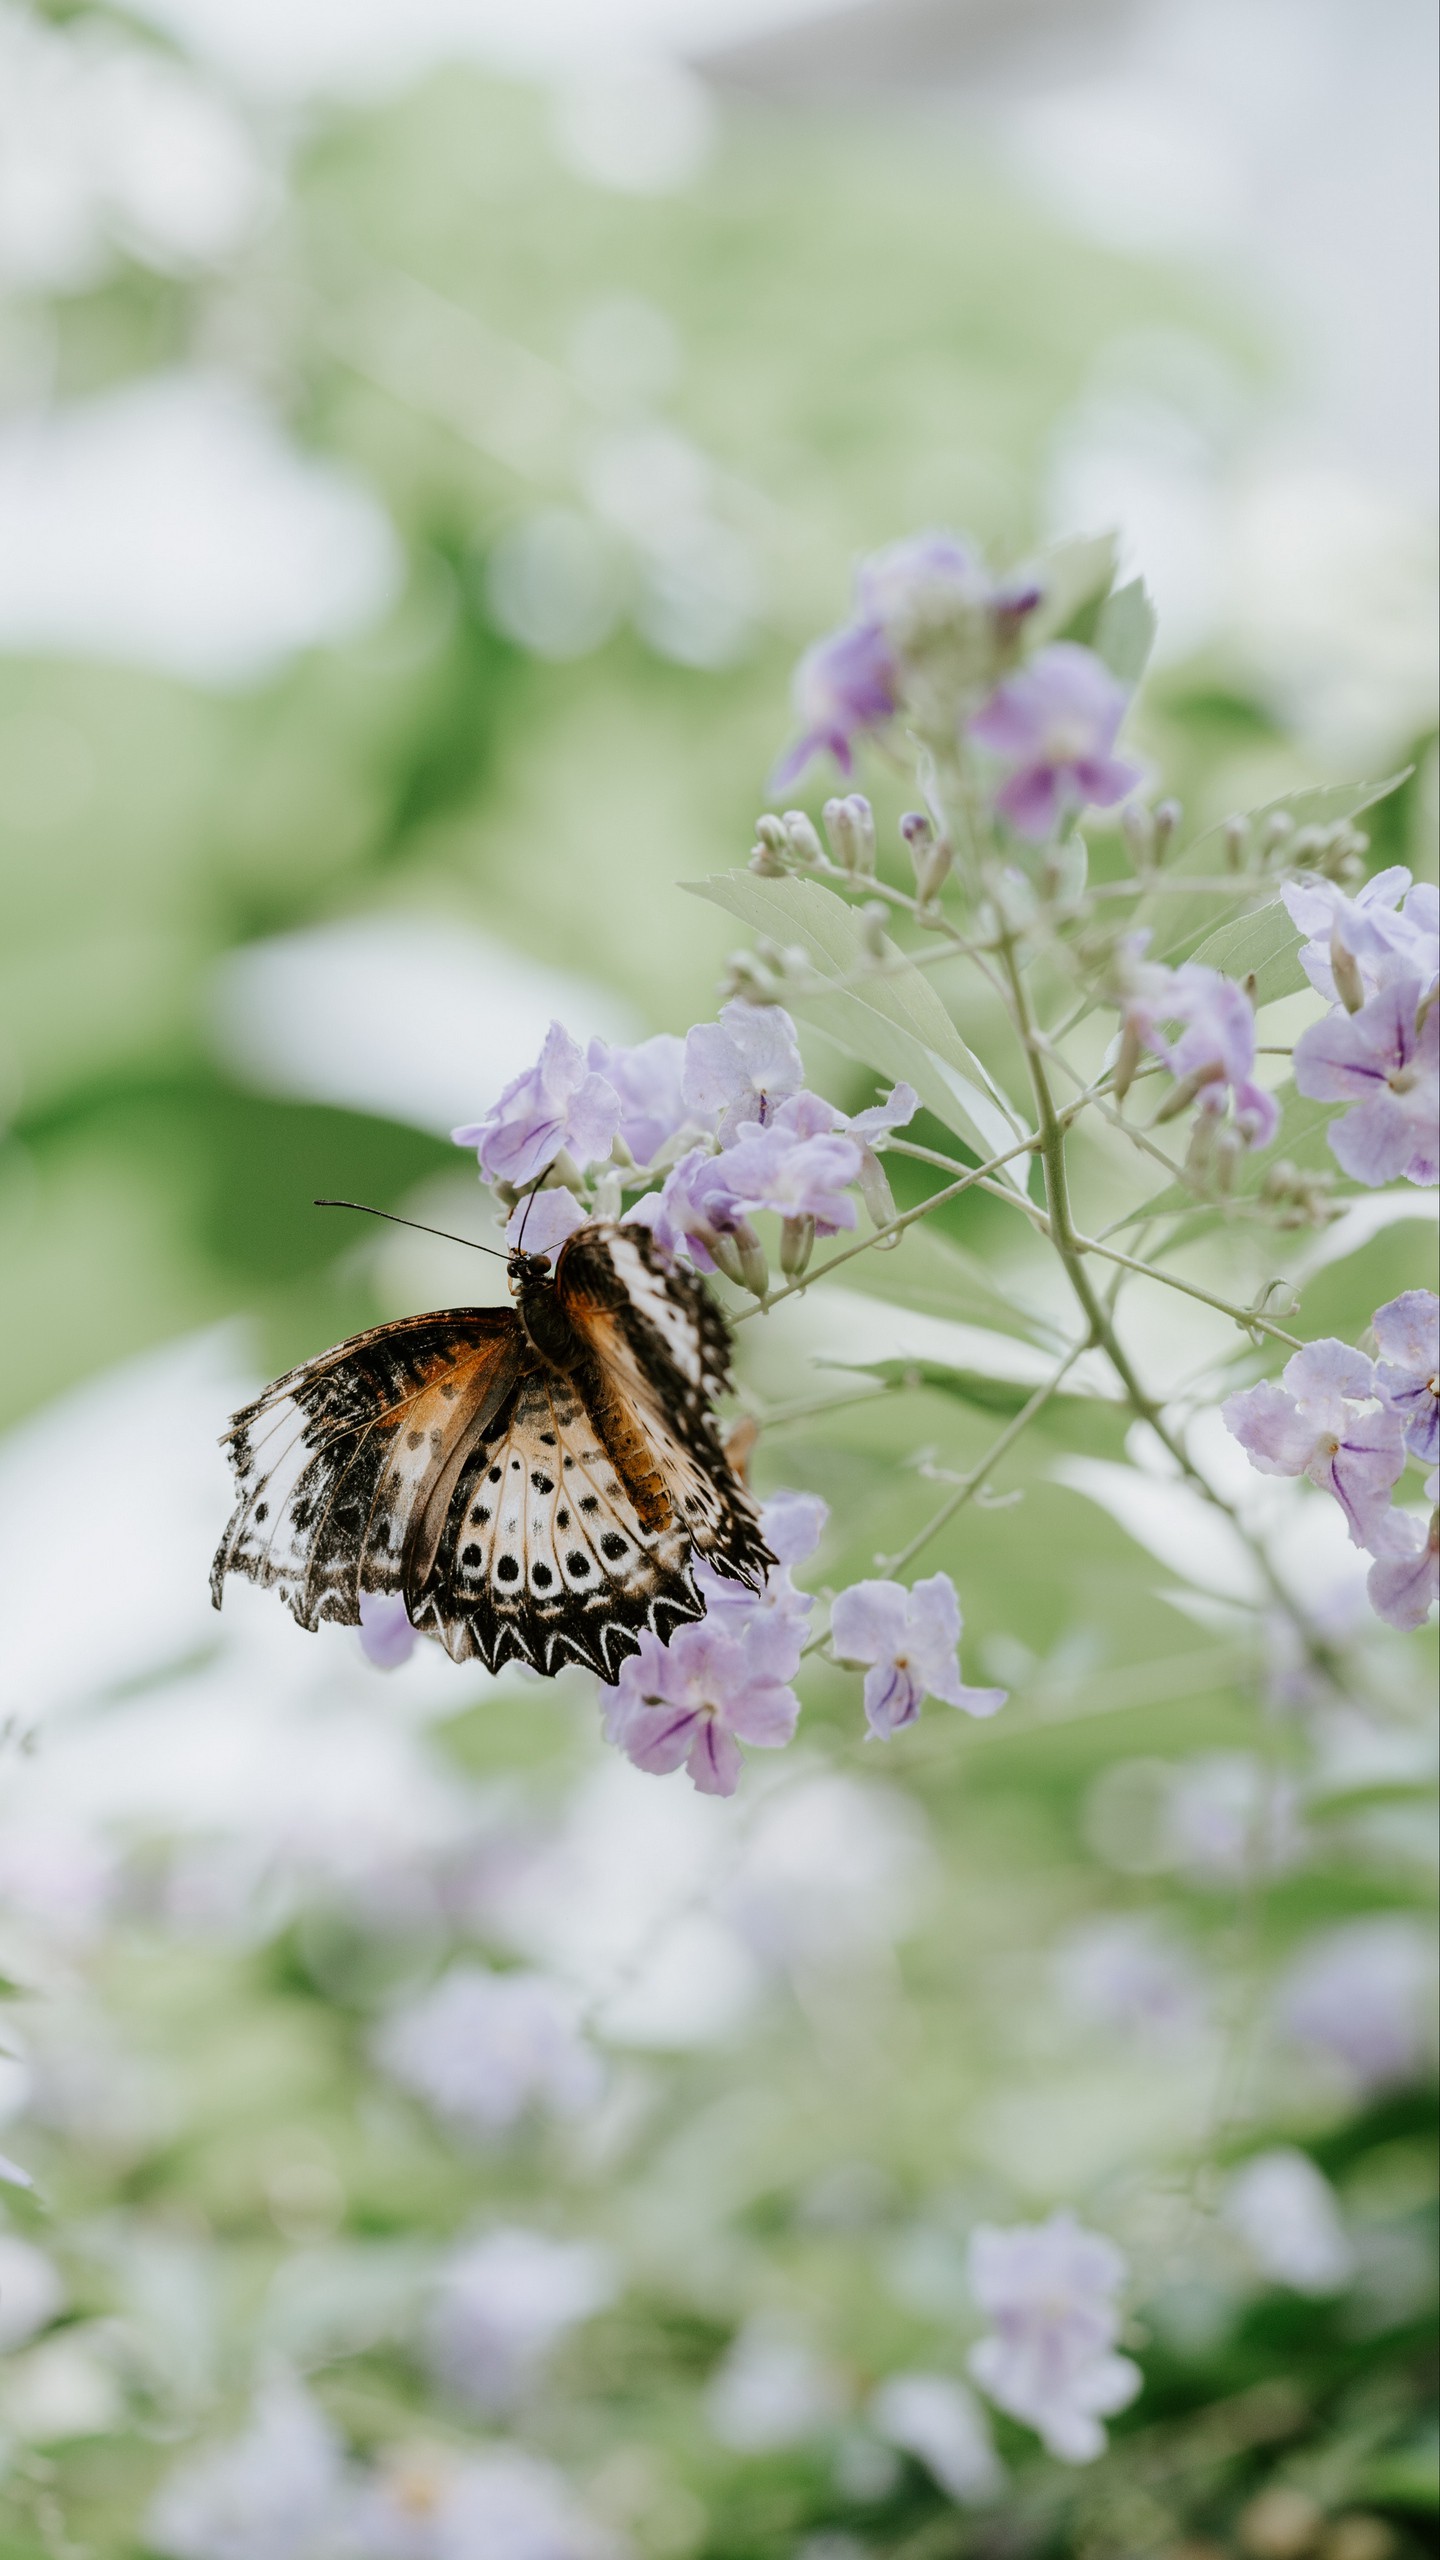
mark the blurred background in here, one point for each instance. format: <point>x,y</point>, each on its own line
<point>429,430</point>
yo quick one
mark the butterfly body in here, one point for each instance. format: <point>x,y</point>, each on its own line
<point>535,1481</point>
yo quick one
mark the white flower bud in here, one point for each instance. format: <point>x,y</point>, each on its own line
<point>1137,826</point>
<point>933,870</point>
<point>771,833</point>
<point>1167,816</point>
<point>797,1243</point>
<point>875,1191</point>
<point>1345,970</point>
<point>850,825</point>
<point>801,838</point>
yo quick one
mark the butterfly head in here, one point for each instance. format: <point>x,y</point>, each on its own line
<point>527,1271</point>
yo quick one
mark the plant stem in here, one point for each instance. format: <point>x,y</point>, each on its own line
<point>971,1484</point>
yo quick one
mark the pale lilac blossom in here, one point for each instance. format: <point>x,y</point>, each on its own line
<point>558,1106</point>
<point>386,1636</point>
<point>648,1079</point>
<point>1322,1419</point>
<point>795,1177</point>
<point>791,1526</point>
<point>504,2303</point>
<point>843,686</point>
<point>1123,1973</point>
<point>770,2390</point>
<point>939,2422</point>
<point>1227,1818</point>
<point>1403,1584</point>
<point>1407,1373</point>
<point>1385,1062</point>
<point>741,1067</point>
<point>910,1640</point>
<point>1214,1057</point>
<point>544,1219</point>
<point>275,2493</point>
<point>1055,724</point>
<point>1363,1995</point>
<point>692,1702</point>
<point>497,2505</point>
<point>1389,929</point>
<point>485,2049</point>
<point>1284,2212</point>
<point>696,1212</point>
<point>1049,2289</point>
<point>810,1115</point>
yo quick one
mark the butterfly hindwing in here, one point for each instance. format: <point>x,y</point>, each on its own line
<point>335,1461</point>
<point>544,1558</point>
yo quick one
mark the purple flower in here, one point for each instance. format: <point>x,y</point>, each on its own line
<point>484,2049</point>
<point>790,1524</point>
<point>1362,1994</point>
<point>1322,1420</point>
<point>1404,1583</point>
<point>545,1219</point>
<point>1387,1066</point>
<point>796,1177</point>
<point>386,1636</point>
<point>506,2301</point>
<point>696,1212</point>
<point>741,1067</point>
<point>1407,1374</point>
<point>557,1106</point>
<point>1122,1972</point>
<point>648,1080</point>
<point>1390,929</point>
<point>430,2503</point>
<point>694,1700</point>
<point>1049,2288</point>
<point>1055,724</point>
<point>936,2419</point>
<point>844,685</point>
<point>1215,1053</point>
<point>809,1115</point>
<point>911,1641</point>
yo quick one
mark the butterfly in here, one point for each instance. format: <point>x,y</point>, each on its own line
<point>535,1480</point>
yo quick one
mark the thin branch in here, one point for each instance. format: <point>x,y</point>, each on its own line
<point>1243,1316</point>
<point>970,1484</point>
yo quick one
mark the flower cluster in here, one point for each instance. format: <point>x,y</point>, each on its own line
<point>723,1115</point>
<point>1376,956</point>
<point>935,639</point>
<point>1350,1423</point>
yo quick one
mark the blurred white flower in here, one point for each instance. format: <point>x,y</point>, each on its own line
<point>31,2291</point>
<point>1284,2212</point>
<point>1050,2288</point>
<point>1229,1817</point>
<point>429,2504</point>
<point>505,2301</point>
<point>275,2493</point>
<point>1123,1973</point>
<point>110,147</point>
<point>944,2426</point>
<point>1363,1995</point>
<point>484,2049</point>
<point>771,2390</point>
<point>833,1869</point>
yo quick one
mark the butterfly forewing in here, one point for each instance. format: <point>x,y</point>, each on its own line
<point>661,1357</point>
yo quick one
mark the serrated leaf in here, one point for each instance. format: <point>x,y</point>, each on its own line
<point>1125,632</point>
<point>1266,942</point>
<point>1180,924</point>
<point>896,1023</point>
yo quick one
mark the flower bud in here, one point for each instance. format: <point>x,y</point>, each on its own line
<point>801,838</point>
<point>766,863</point>
<point>1235,835</point>
<point>872,920</point>
<point>850,825</point>
<point>797,1243</point>
<point>771,834</point>
<point>1187,1088</point>
<point>609,1197</point>
<point>874,1187</point>
<point>1167,816</point>
<point>1137,826</point>
<point>1345,970</point>
<point>1127,1061</point>
<point>1278,829</point>
<point>932,873</point>
<point>918,833</point>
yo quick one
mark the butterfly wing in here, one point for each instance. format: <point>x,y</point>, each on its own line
<point>545,1556</point>
<point>344,1465</point>
<point>660,1355</point>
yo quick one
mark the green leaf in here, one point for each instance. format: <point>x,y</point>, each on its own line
<point>896,1022</point>
<point>1181,924</point>
<point>1125,632</point>
<point>1075,574</point>
<point>1266,942</point>
<point>977,1387</point>
<point>934,1276</point>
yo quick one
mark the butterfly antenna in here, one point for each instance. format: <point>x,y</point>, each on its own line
<point>524,1222</point>
<point>443,1232</point>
